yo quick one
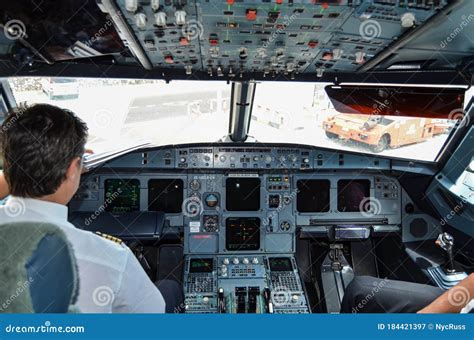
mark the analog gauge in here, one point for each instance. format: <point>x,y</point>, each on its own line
<point>212,201</point>
<point>195,185</point>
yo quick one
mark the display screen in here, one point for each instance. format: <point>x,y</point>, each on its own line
<point>243,194</point>
<point>313,196</point>
<point>165,195</point>
<point>201,266</point>
<point>280,264</point>
<point>243,233</point>
<point>122,195</point>
<point>353,195</point>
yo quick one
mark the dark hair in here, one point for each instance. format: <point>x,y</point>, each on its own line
<point>38,143</point>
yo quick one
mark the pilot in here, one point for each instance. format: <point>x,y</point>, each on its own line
<point>367,294</point>
<point>42,148</point>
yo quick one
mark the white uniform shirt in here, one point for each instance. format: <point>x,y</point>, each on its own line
<point>110,277</point>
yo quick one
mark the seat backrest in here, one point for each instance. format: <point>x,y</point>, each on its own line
<point>38,271</point>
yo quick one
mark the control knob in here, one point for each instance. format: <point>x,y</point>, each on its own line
<point>268,159</point>
<point>245,260</point>
<point>235,260</point>
<point>226,261</point>
<point>255,260</point>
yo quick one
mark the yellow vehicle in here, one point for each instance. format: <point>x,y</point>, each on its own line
<point>380,132</point>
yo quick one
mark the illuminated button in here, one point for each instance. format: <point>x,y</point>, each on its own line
<point>245,260</point>
<point>251,14</point>
<point>235,260</point>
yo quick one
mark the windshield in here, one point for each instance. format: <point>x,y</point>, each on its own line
<point>123,111</point>
<point>302,113</point>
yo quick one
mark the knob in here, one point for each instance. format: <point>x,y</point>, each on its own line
<point>282,159</point>
<point>245,261</point>
<point>255,260</point>
<point>293,158</point>
<point>306,160</point>
<point>235,260</point>
<point>222,158</point>
<point>295,298</point>
<point>223,269</point>
<point>232,159</point>
<point>205,300</point>
<point>207,158</point>
<point>180,17</point>
<point>255,158</point>
<point>268,159</point>
<point>226,261</point>
<point>182,159</point>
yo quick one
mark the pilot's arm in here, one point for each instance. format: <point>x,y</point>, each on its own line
<point>136,293</point>
<point>447,303</point>
<point>4,191</point>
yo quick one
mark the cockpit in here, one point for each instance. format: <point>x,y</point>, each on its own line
<point>263,154</point>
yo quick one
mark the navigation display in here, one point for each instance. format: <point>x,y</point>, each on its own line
<point>353,195</point>
<point>122,195</point>
<point>243,194</point>
<point>243,233</point>
<point>201,265</point>
<point>313,196</point>
<point>165,195</point>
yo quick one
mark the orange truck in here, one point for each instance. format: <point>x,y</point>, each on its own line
<point>380,132</point>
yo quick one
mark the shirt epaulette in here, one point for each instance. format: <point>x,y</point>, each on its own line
<point>109,237</point>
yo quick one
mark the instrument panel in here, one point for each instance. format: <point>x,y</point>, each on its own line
<point>238,212</point>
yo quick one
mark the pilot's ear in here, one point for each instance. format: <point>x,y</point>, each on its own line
<point>72,171</point>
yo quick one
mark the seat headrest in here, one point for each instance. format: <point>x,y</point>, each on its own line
<point>38,269</point>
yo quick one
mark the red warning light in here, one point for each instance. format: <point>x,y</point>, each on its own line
<point>251,14</point>
<point>183,41</point>
<point>325,5</point>
<point>230,2</point>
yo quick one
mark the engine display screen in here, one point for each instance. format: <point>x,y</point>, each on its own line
<point>242,233</point>
<point>313,196</point>
<point>353,195</point>
<point>165,195</point>
<point>201,265</point>
<point>243,194</point>
<point>280,264</point>
<point>122,195</point>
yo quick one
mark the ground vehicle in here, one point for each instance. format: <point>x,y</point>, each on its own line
<point>380,132</point>
<point>60,88</point>
<point>227,169</point>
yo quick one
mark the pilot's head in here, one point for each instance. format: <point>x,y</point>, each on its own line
<point>42,148</point>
